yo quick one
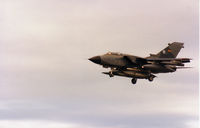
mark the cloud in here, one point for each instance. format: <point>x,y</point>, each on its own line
<point>34,124</point>
<point>87,115</point>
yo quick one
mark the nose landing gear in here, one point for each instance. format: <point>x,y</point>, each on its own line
<point>110,74</point>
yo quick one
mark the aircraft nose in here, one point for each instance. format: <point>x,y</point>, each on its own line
<point>96,59</point>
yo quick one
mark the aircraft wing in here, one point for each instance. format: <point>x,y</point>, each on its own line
<point>183,67</point>
<point>169,61</point>
<point>163,61</point>
<point>135,59</point>
<point>185,60</point>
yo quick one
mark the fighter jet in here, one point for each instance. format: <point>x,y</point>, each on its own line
<point>137,67</point>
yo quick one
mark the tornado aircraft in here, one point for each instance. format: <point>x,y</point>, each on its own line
<point>136,67</point>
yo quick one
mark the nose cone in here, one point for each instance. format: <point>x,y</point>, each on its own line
<point>96,59</point>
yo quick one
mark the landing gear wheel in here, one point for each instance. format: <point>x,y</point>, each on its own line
<point>110,74</point>
<point>150,78</point>
<point>134,80</point>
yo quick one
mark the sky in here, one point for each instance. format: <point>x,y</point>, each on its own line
<point>47,81</point>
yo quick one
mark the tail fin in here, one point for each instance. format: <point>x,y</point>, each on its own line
<point>170,51</point>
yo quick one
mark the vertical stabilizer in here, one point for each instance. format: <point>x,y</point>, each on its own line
<point>170,51</point>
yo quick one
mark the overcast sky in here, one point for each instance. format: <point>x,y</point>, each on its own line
<point>46,80</point>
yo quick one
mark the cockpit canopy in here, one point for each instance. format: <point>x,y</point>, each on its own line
<point>113,53</point>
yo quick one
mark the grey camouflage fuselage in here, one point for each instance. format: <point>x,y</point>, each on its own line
<point>143,68</point>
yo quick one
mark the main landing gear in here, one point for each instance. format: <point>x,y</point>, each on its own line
<point>150,78</point>
<point>134,80</point>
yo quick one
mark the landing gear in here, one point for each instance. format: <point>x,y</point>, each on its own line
<point>110,74</point>
<point>150,78</point>
<point>134,80</point>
